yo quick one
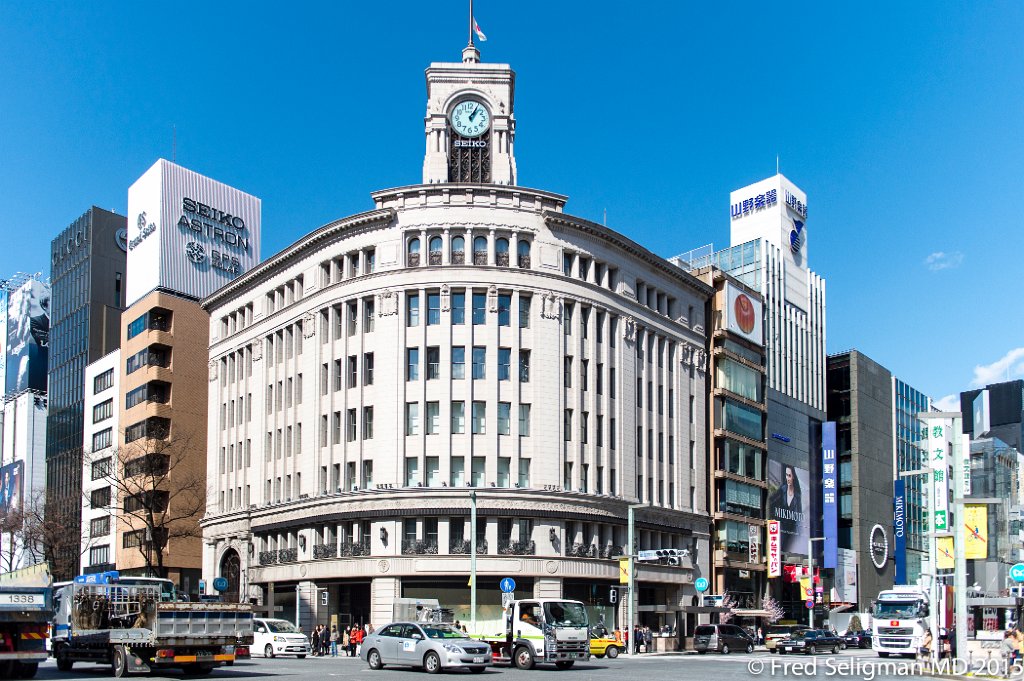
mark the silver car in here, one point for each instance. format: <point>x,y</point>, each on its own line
<point>420,644</point>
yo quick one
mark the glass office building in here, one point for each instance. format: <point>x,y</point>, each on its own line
<point>909,454</point>
<point>88,294</point>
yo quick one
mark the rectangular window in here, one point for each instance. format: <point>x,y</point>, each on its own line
<point>412,418</point>
<point>458,476</point>
<point>433,363</point>
<point>611,382</point>
<point>350,425</point>
<point>479,363</point>
<point>458,362</point>
<point>103,411</point>
<point>567,371</point>
<point>479,308</point>
<point>524,473</point>
<point>599,327</point>
<point>433,309</point>
<point>367,423</point>
<point>367,368</point>
<point>524,312</point>
<point>599,432</point>
<point>504,418</point>
<point>584,429</point>
<point>353,371</point>
<point>600,379</point>
<point>433,418</point>
<point>101,440</point>
<point>433,471</point>
<point>458,418</point>
<point>567,318</point>
<point>459,308</point>
<point>154,427</point>
<point>479,418</point>
<point>353,319</point>
<point>524,366</point>
<point>741,419</point>
<point>101,468</point>
<point>504,471</point>
<point>478,473</point>
<point>524,420</point>
<point>99,555</point>
<point>613,328</point>
<point>504,364</point>
<point>368,317</point>
<point>103,381</point>
<point>100,498</point>
<point>611,433</point>
<point>584,366</point>
<point>584,322</point>
<point>412,308</point>
<point>504,310</point>
<point>567,425</point>
<point>99,527</point>
<point>412,363</point>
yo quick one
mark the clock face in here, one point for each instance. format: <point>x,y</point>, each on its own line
<point>470,118</point>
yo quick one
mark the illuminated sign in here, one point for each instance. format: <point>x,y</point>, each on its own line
<point>774,549</point>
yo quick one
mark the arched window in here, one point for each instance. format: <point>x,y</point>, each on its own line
<point>524,254</point>
<point>480,250</point>
<point>501,252</point>
<point>435,250</point>
<point>414,253</point>
<point>458,250</point>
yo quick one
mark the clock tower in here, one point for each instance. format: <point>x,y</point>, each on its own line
<point>469,124</point>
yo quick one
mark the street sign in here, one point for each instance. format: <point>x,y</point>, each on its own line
<point>613,595</point>
<point>623,570</point>
<point>1017,572</point>
<point>508,585</point>
<point>220,584</point>
<point>506,599</point>
<point>701,585</point>
<point>809,603</point>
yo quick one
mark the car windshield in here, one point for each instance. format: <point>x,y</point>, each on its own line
<point>442,631</point>
<point>897,610</point>
<point>779,631</point>
<point>565,614</point>
<point>281,627</point>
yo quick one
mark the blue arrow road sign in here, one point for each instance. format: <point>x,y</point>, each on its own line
<point>1017,572</point>
<point>701,585</point>
<point>508,585</point>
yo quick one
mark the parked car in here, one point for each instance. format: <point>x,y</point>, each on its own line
<point>274,637</point>
<point>722,638</point>
<point>810,641</point>
<point>858,639</point>
<point>603,643</point>
<point>779,632</point>
<point>435,647</point>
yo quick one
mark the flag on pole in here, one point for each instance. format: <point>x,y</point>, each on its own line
<point>479,33</point>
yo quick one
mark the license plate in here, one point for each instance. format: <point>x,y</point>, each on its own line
<point>479,660</point>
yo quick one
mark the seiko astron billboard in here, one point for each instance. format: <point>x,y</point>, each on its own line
<point>188,233</point>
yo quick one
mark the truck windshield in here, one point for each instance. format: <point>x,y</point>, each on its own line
<point>442,631</point>
<point>898,610</point>
<point>565,614</point>
<point>281,627</point>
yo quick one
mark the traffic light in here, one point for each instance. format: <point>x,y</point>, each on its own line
<point>667,556</point>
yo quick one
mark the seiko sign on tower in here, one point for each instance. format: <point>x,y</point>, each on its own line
<point>191,234</point>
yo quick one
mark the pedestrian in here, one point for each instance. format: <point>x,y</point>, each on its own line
<point>926,646</point>
<point>649,639</point>
<point>345,635</point>
<point>325,641</point>
<point>760,636</point>
<point>356,639</point>
<point>1008,649</point>
<point>315,641</point>
<point>334,640</point>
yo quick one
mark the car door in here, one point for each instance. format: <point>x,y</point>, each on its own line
<point>388,646</point>
<point>408,645</point>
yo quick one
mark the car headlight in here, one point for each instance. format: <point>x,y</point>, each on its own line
<point>452,648</point>
<point>280,639</point>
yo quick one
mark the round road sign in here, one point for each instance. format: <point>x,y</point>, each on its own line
<point>1017,572</point>
<point>701,585</point>
<point>809,603</point>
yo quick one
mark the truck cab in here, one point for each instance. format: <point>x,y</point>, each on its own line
<point>543,631</point>
<point>900,621</point>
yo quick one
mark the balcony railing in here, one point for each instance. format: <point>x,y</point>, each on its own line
<point>517,548</point>
<point>435,257</point>
<point>480,257</point>
<point>419,547</point>
<point>325,550</point>
<point>524,262</point>
<point>413,260</point>
<point>461,546</point>
<point>613,551</point>
<point>458,257</point>
<point>581,550</point>
<point>268,557</point>
<point>501,259</point>
<point>356,548</point>
<point>287,555</point>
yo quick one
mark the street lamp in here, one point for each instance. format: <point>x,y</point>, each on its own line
<point>631,553</point>
<point>810,573</point>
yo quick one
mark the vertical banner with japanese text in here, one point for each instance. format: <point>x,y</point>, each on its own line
<point>939,456</point>
<point>829,491</point>
<point>754,544</point>
<point>774,550</point>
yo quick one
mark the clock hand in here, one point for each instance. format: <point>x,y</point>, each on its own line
<point>475,112</point>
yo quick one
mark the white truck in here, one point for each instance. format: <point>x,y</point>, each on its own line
<point>900,621</point>
<point>541,630</point>
<point>138,625</point>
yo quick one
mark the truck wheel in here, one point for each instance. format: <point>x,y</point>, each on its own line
<point>613,652</point>
<point>373,659</point>
<point>565,664</point>
<point>883,654</point>
<point>27,670</point>
<point>268,651</point>
<point>119,662</point>
<point>523,658</point>
<point>64,664</point>
<point>431,663</point>
<point>6,669</point>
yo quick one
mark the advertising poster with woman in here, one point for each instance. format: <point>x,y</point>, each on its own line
<point>789,500</point>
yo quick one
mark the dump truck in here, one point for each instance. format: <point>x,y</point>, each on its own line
<point>139,624</point>
<point>25,612</point>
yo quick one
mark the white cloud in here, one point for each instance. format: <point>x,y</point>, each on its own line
<point>1006,368</point>
<point>948,403</point>
<point>940,260</point>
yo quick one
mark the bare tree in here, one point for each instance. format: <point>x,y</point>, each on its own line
<point>30,535</point>
<point>159,485</point>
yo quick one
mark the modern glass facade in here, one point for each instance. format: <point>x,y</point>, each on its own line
<point>87,279</point>
<point>909,452</point>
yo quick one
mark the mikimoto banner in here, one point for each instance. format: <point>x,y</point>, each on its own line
<point>899,519</point>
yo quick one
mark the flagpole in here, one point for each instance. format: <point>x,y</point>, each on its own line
<point>471,23</point>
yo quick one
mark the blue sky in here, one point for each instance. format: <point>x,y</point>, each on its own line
<point>901,121</point>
